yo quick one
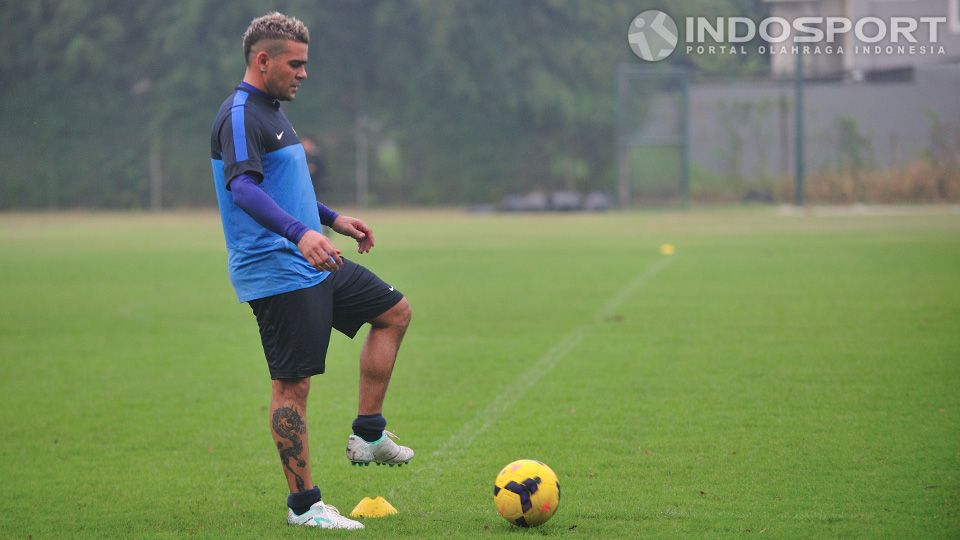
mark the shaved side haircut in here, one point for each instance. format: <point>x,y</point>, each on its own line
<point>273,28</point>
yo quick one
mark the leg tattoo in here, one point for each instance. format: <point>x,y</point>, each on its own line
<point>288,423</point>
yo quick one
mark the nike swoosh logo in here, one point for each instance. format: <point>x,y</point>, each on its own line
<point>279,135</point>
<point>391,289</point>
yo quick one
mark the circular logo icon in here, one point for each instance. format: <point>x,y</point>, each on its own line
<point>652,35</point>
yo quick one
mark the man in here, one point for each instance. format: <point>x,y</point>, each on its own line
<point>294,279</point>
<point>315,164</point>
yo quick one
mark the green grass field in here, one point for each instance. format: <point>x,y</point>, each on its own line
<point>789,376</point>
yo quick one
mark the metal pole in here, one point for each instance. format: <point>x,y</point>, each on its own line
<point>685,135</point>
<point>363,177</point>
<point>156,173</point>
<point>623,151</point>
<point>798,169</point>
<point>783,107</point>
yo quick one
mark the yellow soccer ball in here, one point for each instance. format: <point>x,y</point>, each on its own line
<point>526,493</point>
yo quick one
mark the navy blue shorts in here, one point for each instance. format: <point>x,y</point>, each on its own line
<point>295,326</point>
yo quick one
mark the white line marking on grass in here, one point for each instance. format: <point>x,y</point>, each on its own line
<point>487,417</point>
<point>629,289</point>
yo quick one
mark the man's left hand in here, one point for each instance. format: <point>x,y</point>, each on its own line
<point>356,229</point>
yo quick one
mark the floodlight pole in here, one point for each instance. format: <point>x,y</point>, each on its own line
<point>798,169</point>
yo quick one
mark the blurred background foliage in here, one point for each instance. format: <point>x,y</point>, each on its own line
<point>461,102</point>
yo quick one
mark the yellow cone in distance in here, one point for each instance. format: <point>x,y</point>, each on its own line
<point>368,507</point>
<point>666,249</point>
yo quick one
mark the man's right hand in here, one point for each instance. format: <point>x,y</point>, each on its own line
<point>319,252</point>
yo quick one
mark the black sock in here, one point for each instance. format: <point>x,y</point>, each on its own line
<point>301,501</point>
<point>369,427</point>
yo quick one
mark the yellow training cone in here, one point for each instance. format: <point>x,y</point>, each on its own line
<point>666,249</point>
<point>373,508</point>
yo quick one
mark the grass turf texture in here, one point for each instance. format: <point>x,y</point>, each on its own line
<point>792,376</point>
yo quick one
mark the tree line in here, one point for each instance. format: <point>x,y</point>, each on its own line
<point>456,101</point>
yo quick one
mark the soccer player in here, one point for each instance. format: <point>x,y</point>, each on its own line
<point>295,280</point>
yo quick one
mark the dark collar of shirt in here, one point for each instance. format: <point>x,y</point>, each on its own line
<point>259,94</point>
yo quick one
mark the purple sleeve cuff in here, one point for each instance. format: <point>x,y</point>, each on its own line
<point>248,195</point>
<point>327,216</point>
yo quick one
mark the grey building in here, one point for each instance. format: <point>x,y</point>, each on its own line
<point>884,58</point>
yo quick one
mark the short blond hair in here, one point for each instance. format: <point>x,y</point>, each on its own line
<point>273,26</point>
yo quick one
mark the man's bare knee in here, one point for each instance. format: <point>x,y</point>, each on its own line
<point>397,317</point>
<point>293,389</point>
<point>404,314</point>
